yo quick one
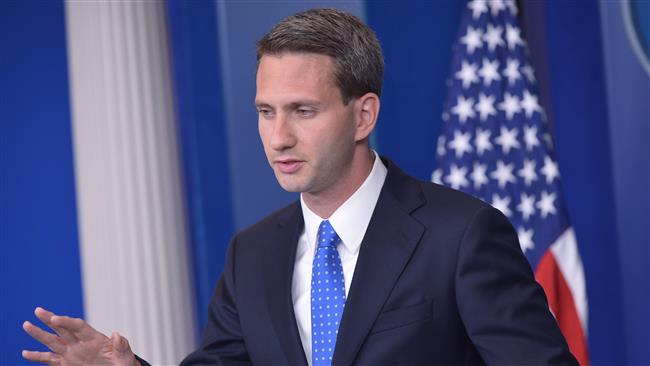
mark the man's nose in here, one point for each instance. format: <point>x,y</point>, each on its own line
<point>283,136</point>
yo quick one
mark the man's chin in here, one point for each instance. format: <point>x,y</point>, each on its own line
<point>289,184</point>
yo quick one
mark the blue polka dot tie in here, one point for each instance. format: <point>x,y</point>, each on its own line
<point>327,295</point>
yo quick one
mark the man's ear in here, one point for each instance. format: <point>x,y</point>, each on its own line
<point>367,110</point>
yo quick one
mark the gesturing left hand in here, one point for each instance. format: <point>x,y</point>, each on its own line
<point>76,343</point>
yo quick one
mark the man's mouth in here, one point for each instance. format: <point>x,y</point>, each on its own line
<point>289,166</point>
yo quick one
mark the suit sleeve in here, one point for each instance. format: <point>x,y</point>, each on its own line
<point>222,342</point>
<point>504,310</point>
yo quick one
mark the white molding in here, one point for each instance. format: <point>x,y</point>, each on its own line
<point>135,262</point>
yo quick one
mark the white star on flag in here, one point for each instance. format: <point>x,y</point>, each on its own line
<point>501,204</point>
<point>477,7</point>
<point>549,170</point>
<point>529,104</point>
<point>440,149</point>
<point>464,108</point>
<point>472,39</point>
<point>525,239</point>
<point>530,137</point>
<point>460,143</point>
<point>546,204</point>
<point>467,74</point>
<point>503,174</point>
<point>482,141</point>
<point>547,138</point>
<point>478,175</point>
<point>496,6</point>
<point>507,139</point>
<point>492,37</point>
<point>485,106</point>
<point>489,71</point>
<point>526,206</point>
<point>510,105</point>
<point>528,172</point>
<point>529,72</point>
<point>456,177</point>
<point>436,176</point>
<point>513,37</point>
<point>512,71</point>
<point>512,6</point>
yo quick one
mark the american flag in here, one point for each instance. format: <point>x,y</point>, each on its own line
<point>496,145</point>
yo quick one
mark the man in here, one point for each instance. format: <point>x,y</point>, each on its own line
<point>371,266</point>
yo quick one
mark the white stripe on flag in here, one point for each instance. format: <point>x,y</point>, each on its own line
<point>565,251</point>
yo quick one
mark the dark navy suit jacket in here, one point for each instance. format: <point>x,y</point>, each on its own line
<point>440,280</point>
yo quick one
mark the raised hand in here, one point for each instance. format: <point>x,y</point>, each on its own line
<point>76,343</point>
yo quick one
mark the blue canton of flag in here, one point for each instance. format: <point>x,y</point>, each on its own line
<point>496,145</point>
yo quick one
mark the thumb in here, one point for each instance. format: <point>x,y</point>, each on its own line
<point>122,349</point>
<point>120,344</point>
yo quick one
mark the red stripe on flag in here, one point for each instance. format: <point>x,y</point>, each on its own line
<point>561,303</point>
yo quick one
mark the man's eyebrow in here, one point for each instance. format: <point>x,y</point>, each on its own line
<point>304,103</point>
<point>262,104</point>
<point>292,105</point>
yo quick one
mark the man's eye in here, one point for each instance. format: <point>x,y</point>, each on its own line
<point>265,112</point>
<point>305,112</point>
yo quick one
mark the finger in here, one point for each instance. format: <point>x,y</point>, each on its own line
<point>77,327</point>
<point>43,315</point>
<point>42,357</point>
<point>53,342</point>
<point>46,317</point>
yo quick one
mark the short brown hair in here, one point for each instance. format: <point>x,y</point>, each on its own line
<point>353,46</point>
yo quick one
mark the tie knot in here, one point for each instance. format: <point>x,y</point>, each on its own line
<point>327,237</point>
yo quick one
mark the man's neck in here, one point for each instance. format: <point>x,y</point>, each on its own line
<point>325,203</point>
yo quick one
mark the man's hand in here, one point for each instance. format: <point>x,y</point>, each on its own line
<point>76,343</point>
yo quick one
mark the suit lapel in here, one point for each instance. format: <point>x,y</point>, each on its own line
<point>278,262</point>
<point>388,244</point>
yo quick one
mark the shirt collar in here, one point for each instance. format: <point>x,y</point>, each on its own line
<point>351,219</point>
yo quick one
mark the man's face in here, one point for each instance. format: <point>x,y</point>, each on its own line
<point>307,131</point>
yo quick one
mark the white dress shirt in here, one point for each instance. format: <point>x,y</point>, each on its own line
<point>350,222</point>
